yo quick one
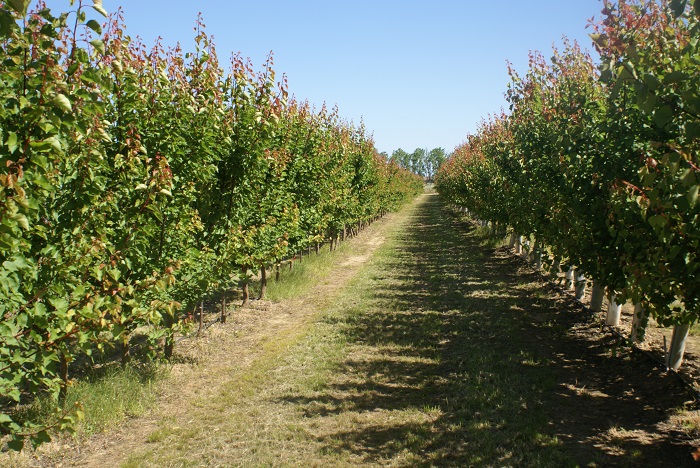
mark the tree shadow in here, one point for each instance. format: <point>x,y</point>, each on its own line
<point>500,368</point>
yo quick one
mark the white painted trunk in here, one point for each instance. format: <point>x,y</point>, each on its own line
<point>526,249</point>
<point>639,321</point>
<point>597,296</point>
<point>675,352</point>
<point>580,287</point>
<point>614,310</point>
<point>569,279</point>
<point>556,266</point>
<point>512,240</point>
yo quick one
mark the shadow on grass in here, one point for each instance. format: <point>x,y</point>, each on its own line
<point>502,369</point>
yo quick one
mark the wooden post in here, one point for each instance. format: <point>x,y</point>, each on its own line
<point>277,272</point>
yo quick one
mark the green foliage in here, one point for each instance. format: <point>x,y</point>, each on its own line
<point>602,165</point>
<point>422,162</point>
<point>133,182</point>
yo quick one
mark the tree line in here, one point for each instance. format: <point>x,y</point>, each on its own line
<point>597,163</point>
<point>421,161</point>
<point>134,181</point>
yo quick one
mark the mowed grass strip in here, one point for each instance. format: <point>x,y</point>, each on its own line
<point>420,360</point>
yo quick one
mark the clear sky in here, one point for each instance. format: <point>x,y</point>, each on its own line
<point>418,73</point>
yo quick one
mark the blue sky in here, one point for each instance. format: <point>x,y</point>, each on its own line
<point>419,73</point>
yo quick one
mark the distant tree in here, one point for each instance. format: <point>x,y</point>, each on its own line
<point>402,158</point>
<point>417,159</point>
<point>421,161</point>
<point>435,159</point>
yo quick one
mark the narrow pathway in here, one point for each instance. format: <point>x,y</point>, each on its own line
<point>423,348</point>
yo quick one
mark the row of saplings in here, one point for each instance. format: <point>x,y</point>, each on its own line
<point>333,242</point>
<point>574,280</point>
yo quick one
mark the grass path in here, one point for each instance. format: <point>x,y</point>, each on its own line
<point>421,348</point>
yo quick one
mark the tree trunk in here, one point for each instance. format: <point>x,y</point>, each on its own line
<point>580,288</point>
<point>525,250</point>
<point>556,266</point>
<point>597,296</point>
<point>511,244</point>
<point>169,322</point>
<point>677,348</point>
<point>201,318</point>
<point>518,245</point>
<point>318,248</point>
<point>569,278</point>
<point>246,292</point>
<point>126,347</point>
<point>223,307</point>
<point>263,282</point>
<point>63,374</point>
<point>536,255</point>
<point>613,317</point>
<point>639,323</point>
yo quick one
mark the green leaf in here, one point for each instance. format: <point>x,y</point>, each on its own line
<point>657,222</point>
<point>663,115</point>
<point>16,444</point>
<point>675,77</point>
<point>41,437</point>
<point>692,195</point>
<point>98,45</point>
<point>692,129</point>
<point>12,142</point>
<point>98,8</point>
<point>95,26</point>
<point>21,220</point>
<point>63,102</point>
<point>20,6</point>
<point>678,7</point>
